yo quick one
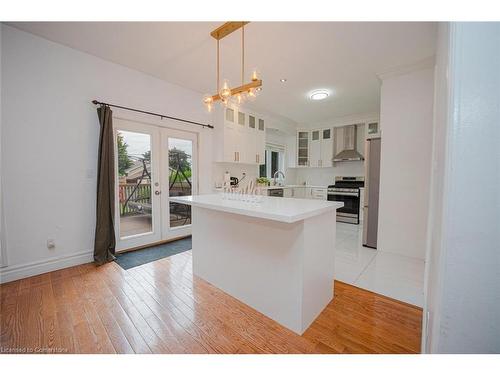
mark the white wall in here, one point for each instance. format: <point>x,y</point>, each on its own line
<point>439,149</point>
<point>406,117</point>
<point>50,139</point>
<point>288,141</point>
<point>463,273</point>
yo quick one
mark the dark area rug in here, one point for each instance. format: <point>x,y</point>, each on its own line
<point>138,257</point>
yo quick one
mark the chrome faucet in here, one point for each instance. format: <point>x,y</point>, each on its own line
<point>276,174</point>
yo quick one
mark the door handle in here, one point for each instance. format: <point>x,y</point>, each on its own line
<point>157,192</point>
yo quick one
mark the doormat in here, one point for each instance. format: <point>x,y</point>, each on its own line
<point>150,254</point>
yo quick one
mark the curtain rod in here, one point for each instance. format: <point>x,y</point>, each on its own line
<point>153,114</point>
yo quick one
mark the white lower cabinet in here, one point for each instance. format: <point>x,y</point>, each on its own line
<point>319,193</point>
<point>302,192</point>
<point>309,193</point>
<point>299,192</point>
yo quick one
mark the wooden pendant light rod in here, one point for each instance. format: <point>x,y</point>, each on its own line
<point>226,29</point>
<point>242,88</point>
<point>221,32</point>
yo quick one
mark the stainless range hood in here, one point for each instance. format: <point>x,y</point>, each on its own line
<point>348,152</point>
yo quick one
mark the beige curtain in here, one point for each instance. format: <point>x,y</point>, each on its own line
<point>105,242</point>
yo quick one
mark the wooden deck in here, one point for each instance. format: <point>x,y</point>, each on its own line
<point>161,308</point>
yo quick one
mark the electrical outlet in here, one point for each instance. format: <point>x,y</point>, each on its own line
<point>51,243</point>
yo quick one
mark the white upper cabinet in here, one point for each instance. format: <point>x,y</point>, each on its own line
<point>239,136</point>
<point>326,148</point>
<point>315,148</point>
<point>303,148</point>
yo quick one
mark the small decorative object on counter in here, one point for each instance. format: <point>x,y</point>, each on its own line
<point>227,179</point>
<point>262,181</point>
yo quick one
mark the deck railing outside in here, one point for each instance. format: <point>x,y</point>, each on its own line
<point>141,195</point>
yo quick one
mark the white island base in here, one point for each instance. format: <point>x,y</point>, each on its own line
<point>282,269</point>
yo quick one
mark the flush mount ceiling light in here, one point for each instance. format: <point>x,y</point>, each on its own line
<point>319,94</point>
<point>283,80</point>
<point>245,90</point>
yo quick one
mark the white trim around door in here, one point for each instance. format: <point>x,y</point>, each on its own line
<point>143,212</point>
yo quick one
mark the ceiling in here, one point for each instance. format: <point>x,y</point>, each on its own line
<point>342,57</point>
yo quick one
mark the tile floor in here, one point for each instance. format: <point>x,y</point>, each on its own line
<point>389,274</point>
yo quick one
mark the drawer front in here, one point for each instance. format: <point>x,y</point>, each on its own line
<point>318,193</point>
<point>319,196</point>
<point>318,190</point>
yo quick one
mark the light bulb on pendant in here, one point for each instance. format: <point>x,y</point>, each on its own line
<point>209,102</point>
<point>252,94</point>
<point>255,75</point>
<point>225,92</point>
<point>239,97</point>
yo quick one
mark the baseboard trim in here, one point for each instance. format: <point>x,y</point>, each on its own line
<point>20,271</point>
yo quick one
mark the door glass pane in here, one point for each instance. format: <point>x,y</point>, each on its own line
<point>261,124</point>
<point>241,118</point>
<point>134,183</point>
<point>229,115</point>
<point>251,121</point>
<point>373,128</point>
<point>180,153</point>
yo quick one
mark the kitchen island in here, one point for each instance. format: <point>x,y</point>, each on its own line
<point>276,256</point>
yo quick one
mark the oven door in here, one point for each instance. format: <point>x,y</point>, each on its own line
<point>350,212</point>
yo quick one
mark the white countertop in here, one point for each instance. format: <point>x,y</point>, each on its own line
<point>287,210</point>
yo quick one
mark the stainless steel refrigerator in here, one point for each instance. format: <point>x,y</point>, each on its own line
<point>372,183</point>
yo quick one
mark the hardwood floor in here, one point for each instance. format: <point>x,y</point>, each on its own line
<point>160,307</point>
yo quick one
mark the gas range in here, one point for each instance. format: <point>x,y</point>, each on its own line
<point>346,190</point>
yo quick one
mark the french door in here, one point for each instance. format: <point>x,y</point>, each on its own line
<point>152,164</point>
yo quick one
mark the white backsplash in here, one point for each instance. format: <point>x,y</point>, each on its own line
<point>235,170</point>
<point>325,176</point>
<point>312,176</point>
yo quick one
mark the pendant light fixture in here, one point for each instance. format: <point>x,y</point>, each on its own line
<point>225,93</point>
